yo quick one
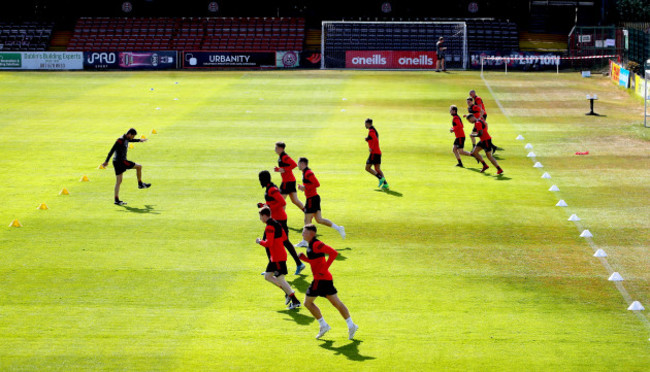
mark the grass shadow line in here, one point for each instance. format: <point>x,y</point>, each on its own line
<point>297,317</point>
<point>351,350</point>
<point>390,192</point>
<point>148,209</point>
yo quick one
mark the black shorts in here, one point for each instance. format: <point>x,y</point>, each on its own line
<point>374,159</point>
<point>441,56</point>
<point>277,268</point>
<point>321,288</point>
<point>460,142</point>
<point>312,205</point>
<point>484,116</point>
<point>122,165</point>
<point>287,187</point>
<point>486,145</point>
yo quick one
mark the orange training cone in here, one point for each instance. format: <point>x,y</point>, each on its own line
<point>154,131</point>
<point>15,223</point>
<point>64,191</point>
<point>101,166</point>
<point>84,179</point>
<point>43,206</point>
<point>143,137</point>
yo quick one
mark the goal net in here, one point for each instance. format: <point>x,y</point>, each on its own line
<point>544,61</point>
<point>392,45</point>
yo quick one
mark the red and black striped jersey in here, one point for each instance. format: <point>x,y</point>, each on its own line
<point>316,253</point>
<point>273,198</point>
<point>457,124</point>
<point>274,237</point>
<point>310,182</point>
<point>373,141</point>
<point>285,162</point>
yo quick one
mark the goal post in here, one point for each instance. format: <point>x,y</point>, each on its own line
<point>392,45</point>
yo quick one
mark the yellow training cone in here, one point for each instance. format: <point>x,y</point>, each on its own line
<point>84,179</point>
<point>130,146</point>
<point>43,206</point>
<point>153,131</point>
<point>143,137</point>
<point>15,223</point>
<point>101,166</point>
<point>64,191</point>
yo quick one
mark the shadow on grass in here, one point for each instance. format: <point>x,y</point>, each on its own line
<point>341,256</point>
<point>297,317</point>
<point>300,283</point>
<point>147,209</point>
<point>351,350</point>
<point>390,192</point>
<point>499,177</point>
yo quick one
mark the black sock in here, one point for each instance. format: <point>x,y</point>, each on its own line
<point>293,298</point>
<point>483,162</point>
<point>139,182</point>
<point>498,167</point>
<point>378,176</point>
<point>117,198</point>
<point>292,252</point>
<point>460,162</point>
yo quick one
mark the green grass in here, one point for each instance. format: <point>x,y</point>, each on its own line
<point>453,271</point>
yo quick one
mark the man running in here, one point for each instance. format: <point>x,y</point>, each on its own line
<point>485,144</point>
<point>276,269</point>
<point>479,102</point>
<point>459,132</point>
<point>323,284</point>
<point>312,204</point>
<point>274,200</point>
<point>285,168</point>
<point>121,164</point>
<point>375,155</point>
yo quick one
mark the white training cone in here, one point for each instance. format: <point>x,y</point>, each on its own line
<point>600,253</point>
<point>546,175</point>
<point>531,155</point>
<point>561,203</point>
<point>520,137</point>
<point>586,234</point>
<point>538,165</point>
<point>528,146</point>
<point>345,99</point>
<point>615,277</point>
<point>554,188</point>
<point>574,217</point>
<point>636,305</point>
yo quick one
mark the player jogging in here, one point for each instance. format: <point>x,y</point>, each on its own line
<point>285,168</point>
<point>323,284</point>
<point>276,269</point>
<point>474,110</point>
<point>274,200</point>
<point>440,53</point>
<point>459,132</point>
<point>121,164</point>
<point>485,144</point>
<point>374,159</point>
<point>312,204</point>
<point>479,102</point>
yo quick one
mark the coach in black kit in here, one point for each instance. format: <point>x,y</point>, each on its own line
<point>121,164</point>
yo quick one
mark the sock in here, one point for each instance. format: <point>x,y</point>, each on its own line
<point>139,182</point>
<point>483,162</point>
<point>460,162</point>
<point>322,322</point>
<point>335,226</point>
<point>349,321</point>
<point>117,198</point>
<point>378,176</point>
<point>499,168</point>
<point>293,298</point>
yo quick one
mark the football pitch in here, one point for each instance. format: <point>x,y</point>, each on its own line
<point>450,270</point>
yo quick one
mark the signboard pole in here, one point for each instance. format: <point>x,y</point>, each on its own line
<point>645,94</point>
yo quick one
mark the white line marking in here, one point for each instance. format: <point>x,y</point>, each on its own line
<point>580,227</point>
